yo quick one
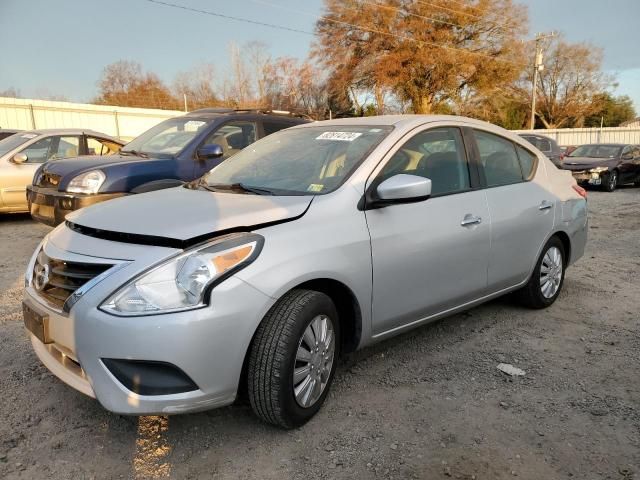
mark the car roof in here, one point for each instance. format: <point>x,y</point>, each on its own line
<point>607,144</point>
<point>405,120</point>
<point>230,112</point>
<point>70,131</point>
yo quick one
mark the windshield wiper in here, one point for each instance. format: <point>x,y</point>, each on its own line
<point>237,187</point>
<point>134,152</point>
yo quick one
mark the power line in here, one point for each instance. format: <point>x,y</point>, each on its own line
<point>229,17</point>
<point>496,24</point>
<point>380,32</point>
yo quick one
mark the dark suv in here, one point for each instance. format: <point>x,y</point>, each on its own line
<point>176,151</point>
<point>546,145</point>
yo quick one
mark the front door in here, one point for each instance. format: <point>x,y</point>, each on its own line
<point>431,255</point>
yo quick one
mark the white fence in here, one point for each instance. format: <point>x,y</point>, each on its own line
<point>579,136</point>
<point>126,123</point>
<point>123,122</point>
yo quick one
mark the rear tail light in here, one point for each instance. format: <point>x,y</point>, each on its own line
<point>581,191</point>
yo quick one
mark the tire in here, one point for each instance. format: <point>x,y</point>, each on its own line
<point>274,357</point>
<point>533,294</point>
<point>610,181</point>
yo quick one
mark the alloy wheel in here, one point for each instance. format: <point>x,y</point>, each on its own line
<point>551,272</point>
<point>314,360</point>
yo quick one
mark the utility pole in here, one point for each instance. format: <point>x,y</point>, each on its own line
<point>538,66</point>
<point>184,96</point>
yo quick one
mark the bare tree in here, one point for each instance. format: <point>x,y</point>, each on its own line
<point>125,84</point>
<point>570,82</point>
<point>198,84</point>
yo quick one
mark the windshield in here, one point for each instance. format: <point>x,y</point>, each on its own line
<point>14,141</point>
<point>302,161</point>
<point>596,151</point>
<point>167,138</point>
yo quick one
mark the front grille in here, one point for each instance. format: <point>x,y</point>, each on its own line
<point>55,280</point>
<point>48,180</point>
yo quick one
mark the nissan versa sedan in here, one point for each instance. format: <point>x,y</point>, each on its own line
<point>22,153</point>
<point>312,242</point>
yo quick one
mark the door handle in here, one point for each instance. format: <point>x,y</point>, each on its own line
<point>545,205</point>
<point>470,220</point>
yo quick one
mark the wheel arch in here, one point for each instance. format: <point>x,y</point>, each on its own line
<point>349,312</point>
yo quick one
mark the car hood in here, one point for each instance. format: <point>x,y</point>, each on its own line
<point>179,217</point>
<point>581,163</point>
<point>79,165</point>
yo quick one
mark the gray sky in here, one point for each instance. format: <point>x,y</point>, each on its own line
<point>61,46</point>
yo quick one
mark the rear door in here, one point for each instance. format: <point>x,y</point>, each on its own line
<point>522,210</point>
<point>432,255</point>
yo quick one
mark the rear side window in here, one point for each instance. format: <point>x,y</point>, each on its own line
<point>499,159</point>
<point>543,144</point>
<point>273,127</point>
<point>98,146</point>
<point>436,154</point>
<point>527,162</point>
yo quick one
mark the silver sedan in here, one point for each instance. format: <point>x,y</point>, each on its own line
<point>315,241</point>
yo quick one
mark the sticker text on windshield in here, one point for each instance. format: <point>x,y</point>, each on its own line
<point>341,136</point>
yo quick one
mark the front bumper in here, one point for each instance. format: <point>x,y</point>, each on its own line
<point>49,206</point>
<point>584,177</point>
<point>208,344</point>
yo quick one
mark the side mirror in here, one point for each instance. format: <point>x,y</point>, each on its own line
<point>20,158</point>
<point>401,188</point>
<point>210,151</point>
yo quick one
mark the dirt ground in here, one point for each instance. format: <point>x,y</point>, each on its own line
<point>428,404</point>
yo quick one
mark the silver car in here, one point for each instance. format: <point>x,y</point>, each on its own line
<point>315,241</point>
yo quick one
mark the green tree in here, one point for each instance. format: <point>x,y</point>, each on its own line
<point>611,111</point>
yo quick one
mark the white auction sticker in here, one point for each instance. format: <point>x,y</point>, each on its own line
<point>341,136</point>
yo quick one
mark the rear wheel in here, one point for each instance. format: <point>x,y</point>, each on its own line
<point>611,181</point>
<point>293,358</point>
<point>548,276</point>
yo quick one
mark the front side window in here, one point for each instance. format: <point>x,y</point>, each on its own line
<point>38,152</point>
<point>168,138</point>
<point>98,146</point>
<point>436,154</point>
<point>299,161</point>
<point>233,137</point>
<point>499,159</point>
<point>67,147</point>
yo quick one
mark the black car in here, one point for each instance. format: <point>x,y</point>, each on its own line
<point>546,145</point>
<point>605,164</point>
<point>7,132</point>
<point>175,151</point>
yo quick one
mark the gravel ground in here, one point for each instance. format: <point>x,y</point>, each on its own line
<point>428,404</point>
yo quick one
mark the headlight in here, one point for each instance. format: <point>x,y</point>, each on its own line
<point>183,282</point>
<point>88,182</point>
<point>598,169</point>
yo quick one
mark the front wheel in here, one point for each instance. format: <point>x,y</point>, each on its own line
<point>611,181</point>
<point>293,358</point>
<point>546,281</point>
